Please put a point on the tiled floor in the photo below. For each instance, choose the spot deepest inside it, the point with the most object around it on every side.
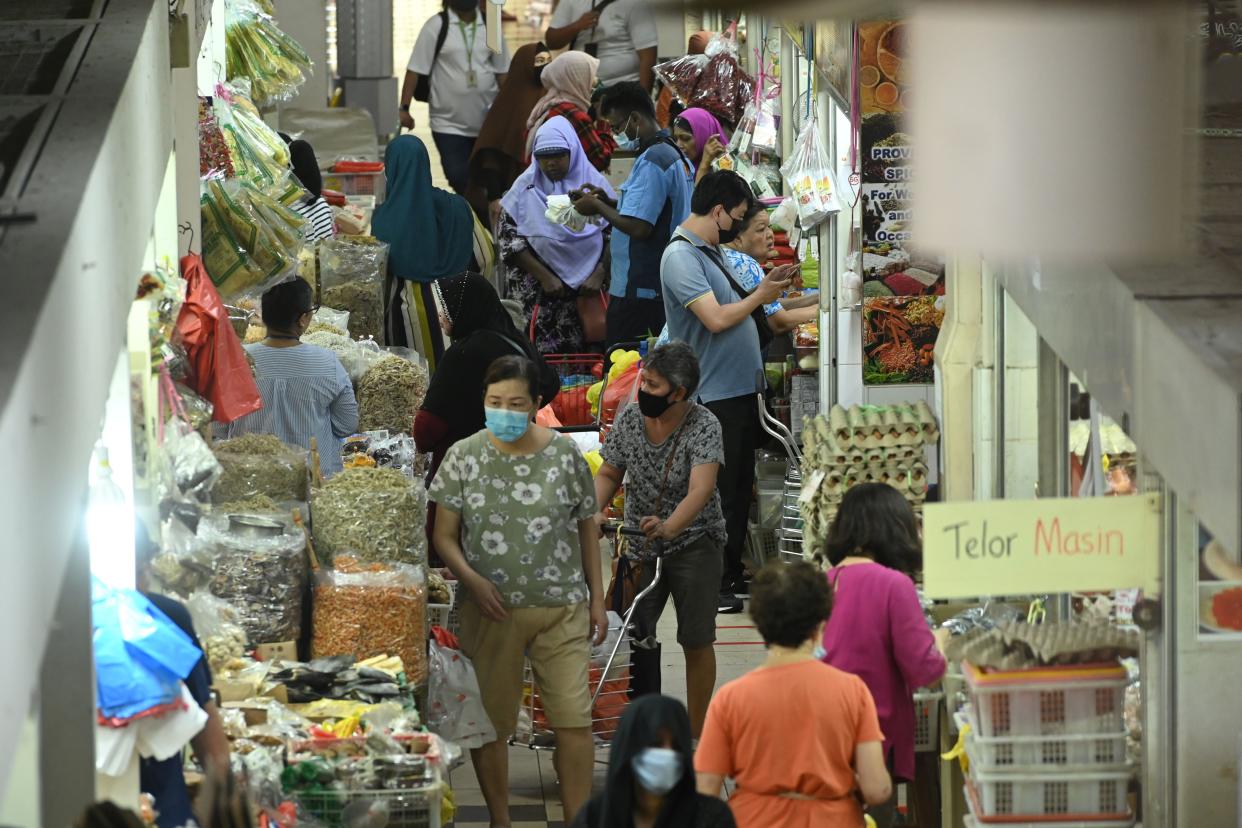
(533, 797)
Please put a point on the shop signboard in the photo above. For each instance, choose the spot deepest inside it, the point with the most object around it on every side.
(1048, 545)
(902, 285)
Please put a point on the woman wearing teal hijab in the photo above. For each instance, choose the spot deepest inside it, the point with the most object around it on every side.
(431, 234)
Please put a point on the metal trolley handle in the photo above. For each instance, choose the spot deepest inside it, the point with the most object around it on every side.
(778, 430)
(658, 548)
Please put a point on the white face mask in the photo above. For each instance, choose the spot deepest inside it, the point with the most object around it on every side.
(658, 770)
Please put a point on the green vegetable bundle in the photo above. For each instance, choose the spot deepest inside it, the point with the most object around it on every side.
(256, 48)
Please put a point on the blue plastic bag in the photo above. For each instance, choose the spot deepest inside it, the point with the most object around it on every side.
(140, 654)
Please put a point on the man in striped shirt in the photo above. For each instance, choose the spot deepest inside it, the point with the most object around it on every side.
(306, 392)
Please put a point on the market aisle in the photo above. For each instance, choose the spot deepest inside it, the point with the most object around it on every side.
(533, 798)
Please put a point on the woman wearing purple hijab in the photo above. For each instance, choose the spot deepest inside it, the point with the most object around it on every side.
(549, 264)
(701, 138)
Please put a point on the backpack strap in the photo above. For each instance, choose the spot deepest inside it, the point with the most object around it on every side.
(440, 38)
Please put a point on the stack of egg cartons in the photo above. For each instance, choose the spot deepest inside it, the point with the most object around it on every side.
(864, 444)
(1047, 746)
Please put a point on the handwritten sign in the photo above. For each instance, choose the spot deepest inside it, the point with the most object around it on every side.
(1024, 547)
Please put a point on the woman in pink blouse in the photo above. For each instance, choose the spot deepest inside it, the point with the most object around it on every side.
(877, 630)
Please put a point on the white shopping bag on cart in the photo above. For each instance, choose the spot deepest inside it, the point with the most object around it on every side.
(455, 704)
(600, 653)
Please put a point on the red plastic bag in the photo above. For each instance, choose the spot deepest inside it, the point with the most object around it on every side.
(619, 392)
(219, 370)
(547, 417)
(571, 407)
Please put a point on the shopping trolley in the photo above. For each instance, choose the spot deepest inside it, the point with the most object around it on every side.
(789, 535)
(577, 372)
(610, 684)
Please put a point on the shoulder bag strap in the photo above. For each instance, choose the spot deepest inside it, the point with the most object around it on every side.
(720, 265)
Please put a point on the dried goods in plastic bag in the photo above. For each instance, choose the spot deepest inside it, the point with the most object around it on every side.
(213, 151)
(215, 623)
(390, 393)
(808, 171)
(257, 153)
(195, 469)
(256, 48)
(250, 239)
(375, 515)
(366, 610)
(262, 578)
(351, 278)
(723, 87)
(681, 75)
(260, 464)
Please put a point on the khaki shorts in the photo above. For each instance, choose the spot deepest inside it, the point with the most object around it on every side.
(555, 639)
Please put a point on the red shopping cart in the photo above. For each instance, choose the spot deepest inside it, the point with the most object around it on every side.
(578, 372)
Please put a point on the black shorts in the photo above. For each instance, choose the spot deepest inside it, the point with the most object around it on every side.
(692, 577)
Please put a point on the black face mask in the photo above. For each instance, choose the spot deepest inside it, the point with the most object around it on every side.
(463, 5)
(732, 233)
(652, 405)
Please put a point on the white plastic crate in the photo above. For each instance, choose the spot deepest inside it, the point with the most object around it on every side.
(1084, 794)
(445, 615)
(927, 721)
(971, 821)
(1047, 753)
(1048, 701)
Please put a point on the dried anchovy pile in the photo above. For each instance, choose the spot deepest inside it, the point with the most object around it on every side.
(366, 610)
(376, 515)
(365, 303)
(263, 580)
(389, 394)
(258, 503)
(316, 327)
(260, 464)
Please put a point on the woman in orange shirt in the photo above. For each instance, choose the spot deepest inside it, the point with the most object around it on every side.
(801, 739)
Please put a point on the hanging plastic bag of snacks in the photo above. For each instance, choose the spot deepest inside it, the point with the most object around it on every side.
(256, 48)
(808, 172)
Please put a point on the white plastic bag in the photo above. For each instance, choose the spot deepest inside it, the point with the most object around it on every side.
(454, 701)
(599, 654)
(808, 171)
(561, 211)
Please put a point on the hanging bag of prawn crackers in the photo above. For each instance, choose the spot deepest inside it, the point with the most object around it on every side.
(809, 176)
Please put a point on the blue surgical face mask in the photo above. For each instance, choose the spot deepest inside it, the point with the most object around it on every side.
(657, 769)
(819, 653)
(624, 141)
(508, 426)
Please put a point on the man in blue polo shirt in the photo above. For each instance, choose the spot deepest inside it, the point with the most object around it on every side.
(654, 200)
(715, 316)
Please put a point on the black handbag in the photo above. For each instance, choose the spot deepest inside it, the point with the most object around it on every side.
(757, 315)
(422, 89)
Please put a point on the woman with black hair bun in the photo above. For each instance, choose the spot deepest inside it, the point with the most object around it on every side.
(877, 630)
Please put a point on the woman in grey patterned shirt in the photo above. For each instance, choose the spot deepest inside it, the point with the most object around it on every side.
(668, 449)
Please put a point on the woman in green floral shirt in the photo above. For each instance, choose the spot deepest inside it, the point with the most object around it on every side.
(515, 523)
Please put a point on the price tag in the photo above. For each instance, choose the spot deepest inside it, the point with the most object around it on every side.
(811, 486)
(795, 237)
(803, 247)
(814, 241)
(855, 180)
